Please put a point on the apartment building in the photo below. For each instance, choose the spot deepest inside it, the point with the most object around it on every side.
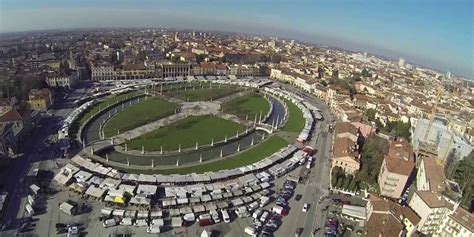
(65, 81)
(460, 223)
(345, 148)
(40, 99)
(396, 168)
(388, 218)
(432, 208)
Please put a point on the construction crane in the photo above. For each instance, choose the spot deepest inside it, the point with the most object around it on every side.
(439, 93)
(444, 159)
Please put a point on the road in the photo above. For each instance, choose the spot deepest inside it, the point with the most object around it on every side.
(317, 183)
(32, 149)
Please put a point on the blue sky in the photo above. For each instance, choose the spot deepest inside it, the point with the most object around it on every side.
(435, 33)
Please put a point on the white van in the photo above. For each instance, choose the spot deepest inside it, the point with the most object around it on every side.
(241, 212)
(253, 206)
(190, 217)
(264, 216)
(225, 215)
(250, 231)
(264, 200)
(154, 229)
(215, 216)
(109, 223)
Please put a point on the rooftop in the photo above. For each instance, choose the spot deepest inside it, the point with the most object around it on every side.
(400, 158)
(464, 218)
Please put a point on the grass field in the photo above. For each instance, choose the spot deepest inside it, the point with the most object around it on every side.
(295, 121)
(257, 153)
(139, 114)
(204, 94)
(247, 105)
(187, 132)
(110, 100)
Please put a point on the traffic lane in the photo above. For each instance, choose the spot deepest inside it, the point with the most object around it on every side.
(17, 188)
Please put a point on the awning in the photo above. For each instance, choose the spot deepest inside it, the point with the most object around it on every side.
(120, 200)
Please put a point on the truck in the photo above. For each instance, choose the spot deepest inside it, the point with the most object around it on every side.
(279, 210)
(205, 220)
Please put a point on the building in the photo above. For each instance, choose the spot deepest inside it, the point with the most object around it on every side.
(244, 70)
(449, 146)
(432, 208)
(103, 72)
(345, 148)
(388, 218)
(396, 169)
(205, 69)
(134, 71)
(40, 99)
(175, 70)
(68, 82)
(6, 104)
(7, 140)
(430, 176)
(459, 223)
(222, 69)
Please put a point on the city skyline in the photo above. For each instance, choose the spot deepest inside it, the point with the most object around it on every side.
(436, 35)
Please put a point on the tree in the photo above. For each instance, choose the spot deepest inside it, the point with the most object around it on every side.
(353, 184)
(372, 156)
(463, 175)
(347, 181)
(370, 113)
(340, 181)
(334, 175)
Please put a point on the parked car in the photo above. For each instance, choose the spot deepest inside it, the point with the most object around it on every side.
(257, 214)
(305, 207)
(298, 197)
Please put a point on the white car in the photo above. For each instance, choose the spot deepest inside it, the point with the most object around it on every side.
(305, 207)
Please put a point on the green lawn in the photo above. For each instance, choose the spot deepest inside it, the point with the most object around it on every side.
(187, 132)
(139, 114)
(247, 105)
(295, 121)
(109, 100)
(255, 154)
(204, 94)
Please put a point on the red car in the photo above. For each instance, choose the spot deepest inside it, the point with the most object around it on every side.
(345, 203)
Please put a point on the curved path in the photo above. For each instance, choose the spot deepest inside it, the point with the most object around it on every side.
(92, 130)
